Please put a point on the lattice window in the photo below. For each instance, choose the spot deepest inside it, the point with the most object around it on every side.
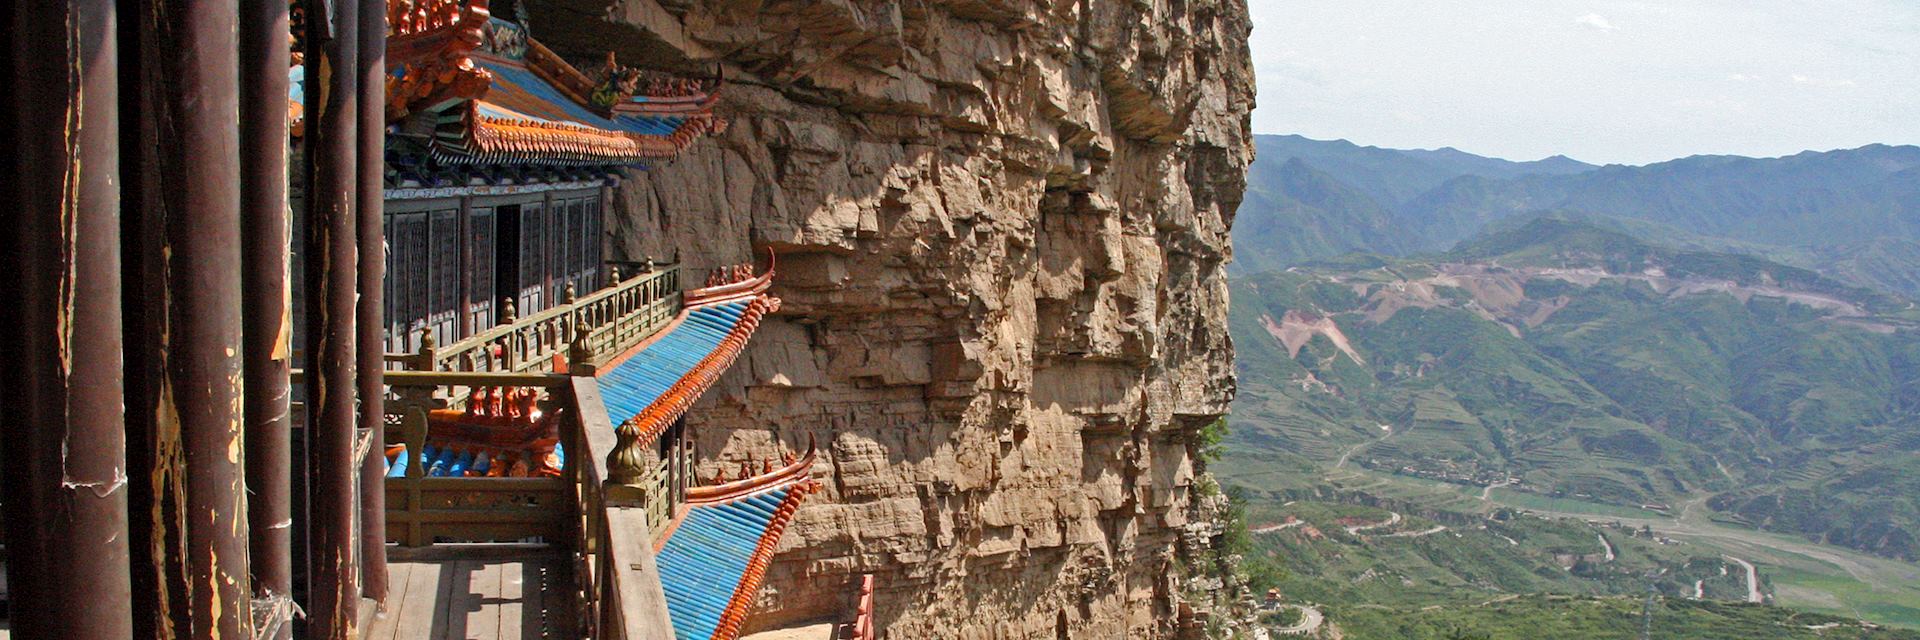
(480, 270)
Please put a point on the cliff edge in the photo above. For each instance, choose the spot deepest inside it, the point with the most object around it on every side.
(1000, 227)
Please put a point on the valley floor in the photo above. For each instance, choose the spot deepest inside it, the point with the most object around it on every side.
(1794, 572)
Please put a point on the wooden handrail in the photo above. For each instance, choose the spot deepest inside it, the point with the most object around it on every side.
(625, 311)
(617, 577)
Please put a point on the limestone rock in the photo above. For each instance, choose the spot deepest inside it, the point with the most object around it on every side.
(1000, 227)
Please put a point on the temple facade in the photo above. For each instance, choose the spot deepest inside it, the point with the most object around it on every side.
(358, 365)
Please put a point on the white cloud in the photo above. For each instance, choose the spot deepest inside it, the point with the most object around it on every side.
(1596, 21)
(1504, 77)
(1801, 78)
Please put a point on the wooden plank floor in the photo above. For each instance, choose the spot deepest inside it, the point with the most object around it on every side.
(507, 598)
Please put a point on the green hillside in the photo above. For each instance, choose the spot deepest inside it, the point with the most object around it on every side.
(1578, 362)
(1612, 618)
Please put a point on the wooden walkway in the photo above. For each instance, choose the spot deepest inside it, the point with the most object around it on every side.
(513, 596)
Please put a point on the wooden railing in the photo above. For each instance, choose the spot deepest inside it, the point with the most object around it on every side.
(618, 585)
(617, 588)
(423, 510)
(604, 322)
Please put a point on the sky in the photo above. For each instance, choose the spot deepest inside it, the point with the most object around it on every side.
(1603, 81)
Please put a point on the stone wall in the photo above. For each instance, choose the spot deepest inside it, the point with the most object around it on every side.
(1000, 227)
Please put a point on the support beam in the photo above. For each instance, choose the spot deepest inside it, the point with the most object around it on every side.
(65, 450)
(332, 94)
(200, 172)
(268, 346)
(371, 204)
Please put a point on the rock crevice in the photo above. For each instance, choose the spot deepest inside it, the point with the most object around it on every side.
(1001, 226)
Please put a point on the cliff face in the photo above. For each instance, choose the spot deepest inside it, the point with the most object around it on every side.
(1000, 227)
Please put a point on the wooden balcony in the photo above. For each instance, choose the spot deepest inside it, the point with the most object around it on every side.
(539, 556)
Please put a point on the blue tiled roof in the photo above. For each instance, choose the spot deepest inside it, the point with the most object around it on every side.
(453, 462)
(636, 383)
(706, 558)
(519, 93)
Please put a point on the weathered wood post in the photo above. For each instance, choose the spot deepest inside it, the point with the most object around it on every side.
(65, 455)
(371, 216)
(156, 479)
(268, 335)
(332, 39)
(196, 171)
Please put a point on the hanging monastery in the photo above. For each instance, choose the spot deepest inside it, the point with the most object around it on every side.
(358, 366)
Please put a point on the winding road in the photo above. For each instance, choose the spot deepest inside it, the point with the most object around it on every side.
(1277, 527)
(1753, 578)
(1417, 534)
(1393, 518)
(1353, 450)
(1310, 619)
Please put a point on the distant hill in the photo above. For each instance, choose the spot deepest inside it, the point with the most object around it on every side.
(1310, 199)
(1581, 361)
(1812, 198)
(1844, 212)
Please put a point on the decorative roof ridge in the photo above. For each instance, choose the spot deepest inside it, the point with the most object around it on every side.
(509, 135)
(677, 399)
(420, 27)
(796, 471)
(549, 66)
(623, 90)
(732, 617)
(733, 282)
(861, 628)
(430, 43)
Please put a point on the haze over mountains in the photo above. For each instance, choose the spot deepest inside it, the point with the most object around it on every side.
(1852, 213)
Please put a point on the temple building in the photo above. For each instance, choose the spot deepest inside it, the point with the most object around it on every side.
(437, 409)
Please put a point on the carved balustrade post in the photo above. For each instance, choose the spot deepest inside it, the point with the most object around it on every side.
(508, 315)
(629, 466)
(425, 359)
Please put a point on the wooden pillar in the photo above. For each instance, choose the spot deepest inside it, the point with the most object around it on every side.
(465, 326)
(370, 216)
(268, 335)
(155, 462)
(200, 171)
(331, 255)
(65, 449)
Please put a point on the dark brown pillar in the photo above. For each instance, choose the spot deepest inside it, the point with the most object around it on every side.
(156, 464)
(65, 450)
(370, 214)
(267, 351)
(331, 255)
(200, 173)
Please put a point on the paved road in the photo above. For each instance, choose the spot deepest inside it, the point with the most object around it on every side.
(1310, 619)
(1690, 525)
(1393, 518)
(1277, 527)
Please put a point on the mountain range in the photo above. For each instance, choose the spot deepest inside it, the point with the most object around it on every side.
(1854, 213)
